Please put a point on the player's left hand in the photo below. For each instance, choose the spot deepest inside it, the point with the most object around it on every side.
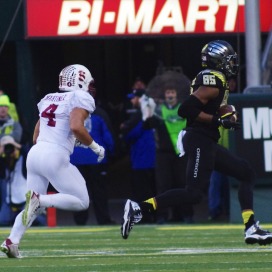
(228, 122)
(98, 150)
(100, 153)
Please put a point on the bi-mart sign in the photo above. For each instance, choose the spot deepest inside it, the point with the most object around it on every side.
(254, 140)
(69, 18)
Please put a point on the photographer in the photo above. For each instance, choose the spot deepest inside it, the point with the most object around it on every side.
(13, 181)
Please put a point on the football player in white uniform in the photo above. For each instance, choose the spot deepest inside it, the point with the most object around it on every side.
(60, 126)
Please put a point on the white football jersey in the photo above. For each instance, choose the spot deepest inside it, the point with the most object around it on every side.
(54, 112)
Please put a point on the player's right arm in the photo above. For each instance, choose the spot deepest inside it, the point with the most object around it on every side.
(192, 106)
(207, 83)
(204, 94)
(77, 118)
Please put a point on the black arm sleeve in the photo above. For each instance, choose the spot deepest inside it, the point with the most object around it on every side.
(190, 108)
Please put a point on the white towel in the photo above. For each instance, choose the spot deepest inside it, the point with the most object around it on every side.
(180, 144)
(147, 106)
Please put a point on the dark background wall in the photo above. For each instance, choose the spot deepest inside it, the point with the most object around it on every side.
(114, 62)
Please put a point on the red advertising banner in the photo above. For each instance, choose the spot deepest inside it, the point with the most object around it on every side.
(69, 18)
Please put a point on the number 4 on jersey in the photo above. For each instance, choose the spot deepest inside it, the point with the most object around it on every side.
(50, 115)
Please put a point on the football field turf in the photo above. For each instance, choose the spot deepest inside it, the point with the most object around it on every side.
(149, 248)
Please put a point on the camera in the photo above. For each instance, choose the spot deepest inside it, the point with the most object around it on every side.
(8, 149)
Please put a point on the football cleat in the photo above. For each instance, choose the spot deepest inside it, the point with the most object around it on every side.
(31, 207)
(10, 249)
(132, 215)
(255, 234)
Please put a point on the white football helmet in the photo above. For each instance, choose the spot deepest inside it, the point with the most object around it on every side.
(75, 77)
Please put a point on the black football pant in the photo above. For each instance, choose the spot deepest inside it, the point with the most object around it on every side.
(204, 155)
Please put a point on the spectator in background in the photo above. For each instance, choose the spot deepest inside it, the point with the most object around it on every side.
(232, 85)
(8, 126)
(138, 84)
(142, 149)
(12, 110)
(26, 137)
(13, 183)
(170, 168)
(95, 173)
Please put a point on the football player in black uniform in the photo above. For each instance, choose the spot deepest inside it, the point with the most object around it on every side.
(209, 90)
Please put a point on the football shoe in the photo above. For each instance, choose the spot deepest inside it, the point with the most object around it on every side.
(10, 249)
(132, 215)
(256, 235)
(31, 207)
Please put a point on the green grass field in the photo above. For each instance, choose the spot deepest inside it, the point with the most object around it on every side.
(149, 248)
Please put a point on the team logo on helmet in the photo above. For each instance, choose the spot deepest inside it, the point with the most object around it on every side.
(219, 55)
(75, 77)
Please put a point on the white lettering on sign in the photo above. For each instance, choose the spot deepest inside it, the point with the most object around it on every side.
(133, 22)
(231, 16)
(268, 155)
(257, 125)
(95, 17)
(75, 12)
(80, 16)
(109, 17)
(169, 16)
(207, 15)
(75, 17)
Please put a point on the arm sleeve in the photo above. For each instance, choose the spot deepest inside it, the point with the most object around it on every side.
(190, 108)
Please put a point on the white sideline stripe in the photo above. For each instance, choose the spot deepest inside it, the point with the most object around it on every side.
(208, 227)
(215, 250)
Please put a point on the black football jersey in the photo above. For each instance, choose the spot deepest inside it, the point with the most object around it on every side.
(213, 79)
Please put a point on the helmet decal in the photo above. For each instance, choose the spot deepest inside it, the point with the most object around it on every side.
(219, 55)
(75, 77)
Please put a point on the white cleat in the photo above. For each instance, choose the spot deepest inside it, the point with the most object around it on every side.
(256, 235)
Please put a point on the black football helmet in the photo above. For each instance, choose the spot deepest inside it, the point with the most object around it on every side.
(219, 55)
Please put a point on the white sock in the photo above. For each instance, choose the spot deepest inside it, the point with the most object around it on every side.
(18, 229)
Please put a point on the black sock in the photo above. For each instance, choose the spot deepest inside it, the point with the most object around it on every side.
(250, 222)
(146, 207)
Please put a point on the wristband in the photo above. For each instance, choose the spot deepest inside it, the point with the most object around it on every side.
(94, 145)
